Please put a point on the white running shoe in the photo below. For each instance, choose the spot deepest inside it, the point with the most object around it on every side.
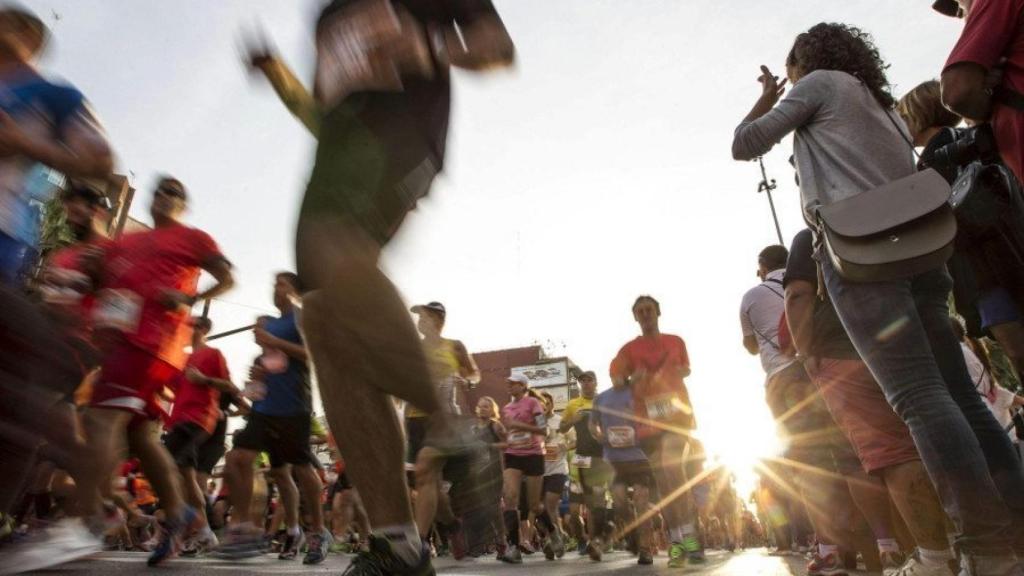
(914, 567)
(67, 540)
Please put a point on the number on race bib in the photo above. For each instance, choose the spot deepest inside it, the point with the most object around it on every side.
(663, 407)
(621, 436)
(581, 461)
(520, 439)
(552, 453)
(118, 309)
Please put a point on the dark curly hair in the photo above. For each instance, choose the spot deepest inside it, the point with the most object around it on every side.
(829, 46)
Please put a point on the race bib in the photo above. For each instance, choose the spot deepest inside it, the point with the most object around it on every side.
(552, 453)
(118, 309)
(274, 361)
(345, 51)
(581, 461)
(621, 436)
(255, 391)
(520, 439)
(664, 406)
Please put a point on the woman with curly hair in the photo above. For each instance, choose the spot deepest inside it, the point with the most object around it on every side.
(848, 140)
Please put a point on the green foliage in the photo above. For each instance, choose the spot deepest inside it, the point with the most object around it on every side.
(54, 232)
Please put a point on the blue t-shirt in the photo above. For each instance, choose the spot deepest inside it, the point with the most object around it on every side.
(620, 441)
(288, 392)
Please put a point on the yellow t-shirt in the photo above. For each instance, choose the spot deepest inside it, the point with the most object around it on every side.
(443, 363)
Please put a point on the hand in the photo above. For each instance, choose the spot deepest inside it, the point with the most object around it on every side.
(264, 338)
(173, 299)
(257, 53)
(257, 373)
(994, 76)
(771, 88)
(12, 139)
(195, 376)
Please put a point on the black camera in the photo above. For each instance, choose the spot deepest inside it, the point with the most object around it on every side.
(954, 148)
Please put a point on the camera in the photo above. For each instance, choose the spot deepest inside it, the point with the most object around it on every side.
(954, 148)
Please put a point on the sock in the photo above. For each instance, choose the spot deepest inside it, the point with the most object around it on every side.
(935, 558)
(888, 545)
(512, 526)
(405, 542)
(689, 530)
(824, 550)
(294, 530)
(675, 535)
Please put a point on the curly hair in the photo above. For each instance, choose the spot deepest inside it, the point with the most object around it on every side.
(830, 46)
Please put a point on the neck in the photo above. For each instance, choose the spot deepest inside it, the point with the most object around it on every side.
(286, 307)
(163, 221)
(650, 332)
(10, 63)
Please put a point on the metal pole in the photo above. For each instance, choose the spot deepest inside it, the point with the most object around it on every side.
(767, 186)
(230, 332)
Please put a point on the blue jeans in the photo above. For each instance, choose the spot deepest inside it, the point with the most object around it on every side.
(902, 331)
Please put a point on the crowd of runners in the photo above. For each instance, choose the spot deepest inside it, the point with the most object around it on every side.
(898, 421)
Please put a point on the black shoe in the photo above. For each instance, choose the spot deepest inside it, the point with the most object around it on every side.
(292, 545)
(379, 560)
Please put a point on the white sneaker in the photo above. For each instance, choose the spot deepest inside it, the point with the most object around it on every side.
(65, 541)
(914, 567)
(971, 565)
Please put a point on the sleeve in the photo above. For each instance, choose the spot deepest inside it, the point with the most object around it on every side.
(755, 138)
(682, 355)
(570, 411)
(1004, 398)
(988, 33)
(622, 365)
(801, 264)
(204, 248)
(745, 325)
(222, 367)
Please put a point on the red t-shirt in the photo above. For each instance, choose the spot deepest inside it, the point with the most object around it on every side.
(76, 306)
(660, 395)
(993, 32)
(196, 402)
(140, 267)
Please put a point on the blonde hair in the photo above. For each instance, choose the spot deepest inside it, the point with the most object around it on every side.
(922, 108)
(495, 411)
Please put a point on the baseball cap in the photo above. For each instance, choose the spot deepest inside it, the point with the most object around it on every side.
(947, 8)
(520, 378)
(435, 307)
(589, 374)
(30, 18)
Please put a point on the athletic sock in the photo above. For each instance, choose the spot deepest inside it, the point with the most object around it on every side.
(825, 549)
(545, 521)
(935, 558)
(888, 545)
(512, 526)
(294, 530)
(405, 542)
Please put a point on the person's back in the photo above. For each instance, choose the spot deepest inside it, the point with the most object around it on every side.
(845, 142)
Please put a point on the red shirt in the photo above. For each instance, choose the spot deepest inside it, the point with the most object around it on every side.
(197, 402)
(76, 306)
(993, 32)
(143, 265)
(659, 392)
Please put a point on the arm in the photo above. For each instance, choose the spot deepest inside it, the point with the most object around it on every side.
(291, 349)
(527, 427)
(568, 420)
(767, 124)
(964, 91)
(81, 151)
(220, 269)
(484, 44)
(750, 343)
(800, 295)
(467, 366)
(290, 90)
(594, 426)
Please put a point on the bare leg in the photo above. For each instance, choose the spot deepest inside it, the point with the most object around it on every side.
(915, 498)
(238, 474)
(512, 481)
(870, 495)
(289, 495)
(194, 494)
(105, 445)
(311, 487)
(158, 466)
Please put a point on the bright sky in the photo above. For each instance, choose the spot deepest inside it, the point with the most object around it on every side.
(597, 170)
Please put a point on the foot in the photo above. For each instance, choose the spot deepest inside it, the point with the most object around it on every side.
(380, 559)
(971, 565)
(316, 552)
(527, 548)
(831, 565)
(677, 555)
(892, 560)
(241, 542)
(913, 567)
(595, 549)
(549, 549)
(64, 541)
(694, 551)
(170, 539)
(559, 544)
(512, 555)
(291, 545)
(201, 543)
(644, 557)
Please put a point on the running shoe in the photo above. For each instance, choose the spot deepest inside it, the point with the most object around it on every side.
(644, 557)
(891, 560)
(512, 555)
(527, 548)
(380, 560)
(559, 545)
(694, 551)
(171, 534)
(201, 543)
(241, 542)
(595, 550)
(64, 541)
(581, 547)
(549, 549)
(914, 567)
(291, 546)
(317, 548)
(831, 565)
(677, 555)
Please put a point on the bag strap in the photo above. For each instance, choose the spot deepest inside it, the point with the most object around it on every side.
(913, 149)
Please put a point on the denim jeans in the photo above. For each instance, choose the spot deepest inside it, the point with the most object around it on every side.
(902, 331)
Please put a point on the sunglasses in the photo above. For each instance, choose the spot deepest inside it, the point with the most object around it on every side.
(171, 191)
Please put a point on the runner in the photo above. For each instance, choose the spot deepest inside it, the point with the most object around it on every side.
(280, 424)
(594, 472)
(455, 373)
(194, 419)
(378, 154)
(614, 424)
(524, 459)
(654, 365)
(556, 477)
(489, 431)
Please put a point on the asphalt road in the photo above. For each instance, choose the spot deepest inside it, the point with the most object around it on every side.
(748, 563)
